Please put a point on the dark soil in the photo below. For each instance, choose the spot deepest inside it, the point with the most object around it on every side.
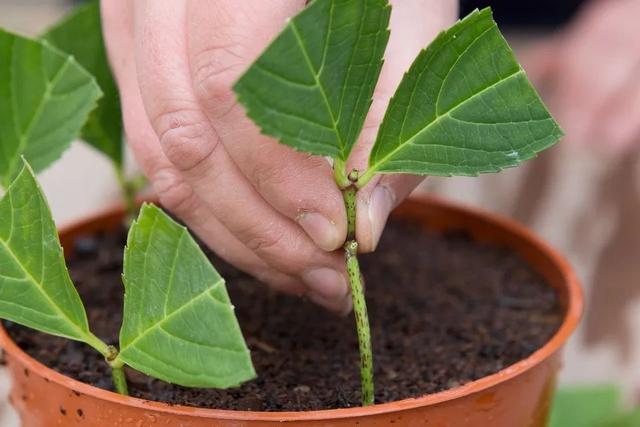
(444, 310)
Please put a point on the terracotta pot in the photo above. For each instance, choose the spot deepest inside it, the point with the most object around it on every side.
(518, 396)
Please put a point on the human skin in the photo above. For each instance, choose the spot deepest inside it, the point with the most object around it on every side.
(590, 71)
(269, 210)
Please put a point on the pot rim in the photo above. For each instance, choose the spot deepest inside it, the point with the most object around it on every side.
(569, 323)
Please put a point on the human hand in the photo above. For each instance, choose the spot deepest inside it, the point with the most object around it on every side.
(265, 208)
(590, 70)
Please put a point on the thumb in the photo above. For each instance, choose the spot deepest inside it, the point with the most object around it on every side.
(374, 204)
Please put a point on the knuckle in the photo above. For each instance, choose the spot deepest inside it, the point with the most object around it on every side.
(186, 141)
(268, 175)
(264, 242)
(216, 69)
(260, 238)
(174, 193)
(278, 169)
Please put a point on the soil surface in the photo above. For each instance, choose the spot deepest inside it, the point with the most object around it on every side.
(444, 310)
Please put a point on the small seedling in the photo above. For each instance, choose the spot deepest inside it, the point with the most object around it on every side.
(464, 107)
(178, 323)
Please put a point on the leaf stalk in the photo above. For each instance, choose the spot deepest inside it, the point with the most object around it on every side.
(97, 344)
(365, 178)
(129, 192)
(338, 174)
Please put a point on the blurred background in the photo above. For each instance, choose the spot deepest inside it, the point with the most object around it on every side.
(583, 195)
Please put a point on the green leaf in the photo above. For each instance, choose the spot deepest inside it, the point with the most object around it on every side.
(35, 288)
(45, 98)
(464, 107)
(80, 34)
(312, 87)
(584, 406)
(179, 324)
(631, 419)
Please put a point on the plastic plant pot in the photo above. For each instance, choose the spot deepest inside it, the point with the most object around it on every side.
(517, 396)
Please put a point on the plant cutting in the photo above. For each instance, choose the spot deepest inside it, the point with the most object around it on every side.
(464, 107)
(178, 313)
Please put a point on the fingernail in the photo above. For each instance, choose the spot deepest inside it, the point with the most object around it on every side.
(326, 282)
(380, 206)
(323, 231)
(341, 307)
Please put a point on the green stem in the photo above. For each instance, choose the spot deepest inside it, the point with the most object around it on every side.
(349, 195)
(119, 380)
(117, 371)
(357, 296)
(128, 192)
(110, 354)
(362, 322)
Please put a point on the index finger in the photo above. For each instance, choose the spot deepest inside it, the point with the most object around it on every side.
(224, 39)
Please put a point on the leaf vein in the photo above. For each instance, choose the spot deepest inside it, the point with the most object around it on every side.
(460, 55)
(437, 119)
(24, 133)
(294, 28)
(199, 344)
(160, 322)
(174, 263)
(272, 110)
(282, 78)
(30, 278)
